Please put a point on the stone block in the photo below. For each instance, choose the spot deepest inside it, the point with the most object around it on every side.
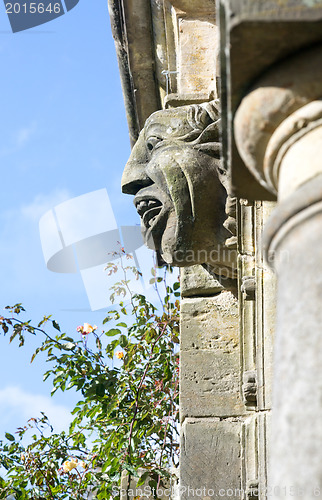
(210, 323)
(197, 69)
(210, 358)
(196, 280)
(210, 463)
(210, 384)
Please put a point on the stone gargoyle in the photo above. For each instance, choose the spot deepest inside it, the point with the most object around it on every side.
(180, 189)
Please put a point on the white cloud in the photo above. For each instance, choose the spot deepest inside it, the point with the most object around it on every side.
(24, 134)
(18, 138)
(43, 202)
(18, 406)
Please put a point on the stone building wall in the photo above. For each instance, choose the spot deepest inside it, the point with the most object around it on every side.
(169, 56)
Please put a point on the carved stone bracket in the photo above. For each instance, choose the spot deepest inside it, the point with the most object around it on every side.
(250, 388)
(248, 287)
(180, 191)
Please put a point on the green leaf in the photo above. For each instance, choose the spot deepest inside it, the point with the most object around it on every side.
(113, 332)
(100, 390)
(106, 466)
(34, 355)
(56, 325)
(142, 479)
(68, 346)
(10, 437)
(123, 341)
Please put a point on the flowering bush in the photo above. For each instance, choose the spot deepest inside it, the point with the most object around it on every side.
(126, 418)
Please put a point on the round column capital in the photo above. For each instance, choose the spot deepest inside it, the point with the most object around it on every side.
(288, 86)
(291, 130)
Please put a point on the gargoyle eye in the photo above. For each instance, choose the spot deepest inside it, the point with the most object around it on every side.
(152, 143)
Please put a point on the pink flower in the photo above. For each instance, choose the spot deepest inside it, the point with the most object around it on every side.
(86, 329)
(89, 328)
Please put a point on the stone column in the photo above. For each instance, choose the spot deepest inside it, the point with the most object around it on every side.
(278, 132)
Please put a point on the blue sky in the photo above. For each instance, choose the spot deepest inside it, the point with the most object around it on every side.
(63, 133)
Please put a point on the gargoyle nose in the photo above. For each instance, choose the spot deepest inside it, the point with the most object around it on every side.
(134, 178)
(134, 175)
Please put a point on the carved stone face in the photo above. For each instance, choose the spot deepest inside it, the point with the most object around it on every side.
(174, 173)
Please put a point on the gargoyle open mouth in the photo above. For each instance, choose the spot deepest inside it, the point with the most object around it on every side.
(148, 209)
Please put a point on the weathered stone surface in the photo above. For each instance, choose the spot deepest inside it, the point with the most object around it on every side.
(210, 357)
(210, 323)
(210, 459)
(249, 440)
(210, 384)
(196, 70)
(197, 281)
(247, 301)
(131, 28)
(255, 435)
(278, 132)
(174, 100)
(277, 10)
